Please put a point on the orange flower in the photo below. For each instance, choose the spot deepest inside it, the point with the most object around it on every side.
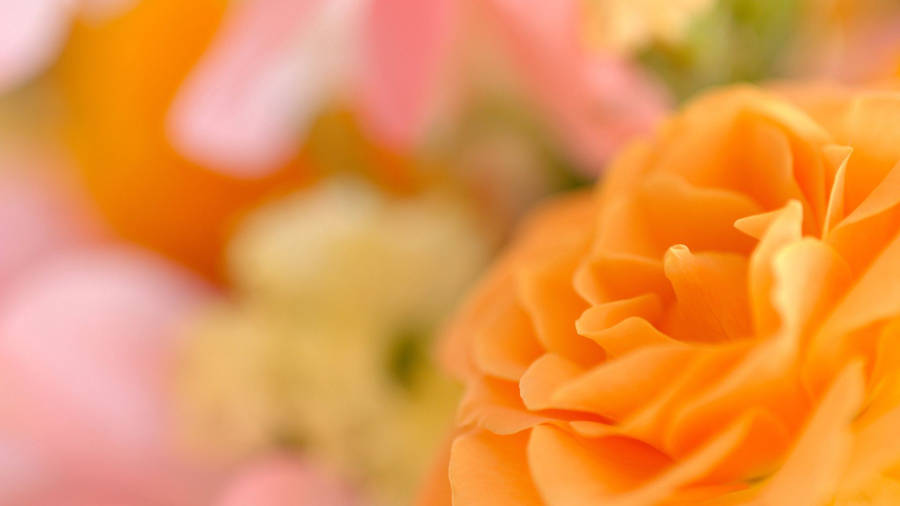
(719, 324)
(117, 79)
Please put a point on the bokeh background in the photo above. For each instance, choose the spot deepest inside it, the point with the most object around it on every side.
(230, 231)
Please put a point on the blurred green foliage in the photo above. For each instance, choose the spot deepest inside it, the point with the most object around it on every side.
(408, 352)
(734, 41)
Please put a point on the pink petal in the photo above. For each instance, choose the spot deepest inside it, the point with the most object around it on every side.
(597, 102)
(31, 33)
(286, 481)
(551, 25)
(244, 108)
(21, 470)
(405, 45)
(86, 344)
(617, 103)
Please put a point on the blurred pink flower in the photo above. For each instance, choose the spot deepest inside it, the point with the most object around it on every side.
(248, 102)
(40, 215)
(596, 101)
(33, 31)
(89, 332)
(285, 481)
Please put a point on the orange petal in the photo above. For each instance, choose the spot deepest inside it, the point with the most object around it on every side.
(837, 156)
(687, 470)
(545, 290)
(543, 378)
(568, 220)
(604, 315)
(608, 276)
(711, 295)
(868, 229)
(456, 341)
(491, 470)
(766, 439)
(756, 225)
(785, 228)
(882, 197)
(875, 450)
(778, 157)
(622, 231)
(874, 296)
(677, 212)
(709, 367)
(740, 139)
(765, 378)
(569, 471)
(871, 122)
(628, 335)
(619, 387)
(810, 276)
(505, 345)
(885, 366)
(496, 406)
(810, 473)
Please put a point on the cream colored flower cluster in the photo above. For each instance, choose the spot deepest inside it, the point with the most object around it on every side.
(327, 345)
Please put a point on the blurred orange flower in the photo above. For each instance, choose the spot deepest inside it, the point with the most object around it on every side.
(719, 322)
(117, 79)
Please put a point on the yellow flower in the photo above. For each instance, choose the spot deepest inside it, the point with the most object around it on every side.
(327, 346)
(622, 26)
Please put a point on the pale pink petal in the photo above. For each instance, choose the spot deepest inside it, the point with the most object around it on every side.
(31, 33)
(596, 102)
(86, 346)
(552, 25)
(404, 46)
(617, 102)
(245, 107)
(286, 481)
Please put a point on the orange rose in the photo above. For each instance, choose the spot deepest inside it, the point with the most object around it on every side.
(719, 324)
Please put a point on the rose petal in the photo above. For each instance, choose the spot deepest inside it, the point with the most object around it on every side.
(489, 470)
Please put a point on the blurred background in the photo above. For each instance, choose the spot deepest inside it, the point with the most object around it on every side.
(230, 231)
